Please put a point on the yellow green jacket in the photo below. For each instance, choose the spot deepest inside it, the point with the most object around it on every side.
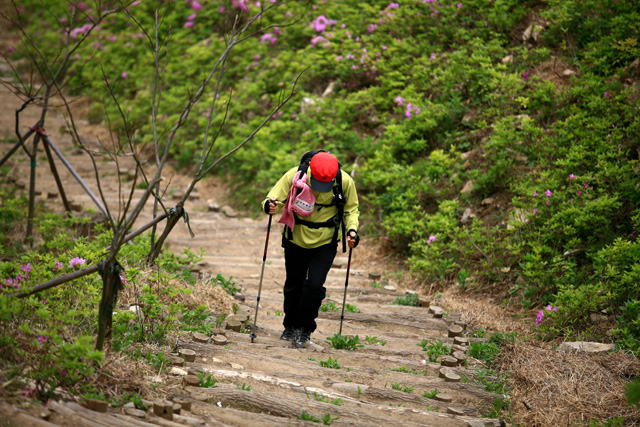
(304, 236)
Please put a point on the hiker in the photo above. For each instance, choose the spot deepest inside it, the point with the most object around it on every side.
(321, 203)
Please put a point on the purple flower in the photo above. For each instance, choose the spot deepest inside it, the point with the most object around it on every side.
(432, 239)
(43, 339)
(548, 202)
(316, 40)
(57, 266)
(26, 268)
(534, 212)
(539, 317)
(548, 193)
(271, 38)
(525, 75)
(195, 5)
(339, 58)
(188, 24)
(606, 95)
(63, 373)
(76, 261)
(459, 5)
(44, 302)
(124, 75)
(572, 176)
(535, 194)
(579, 192)
(407, 114)
(586, 185)
(399, 100)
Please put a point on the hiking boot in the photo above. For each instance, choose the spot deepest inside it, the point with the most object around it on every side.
(289, 334)
(302, 336)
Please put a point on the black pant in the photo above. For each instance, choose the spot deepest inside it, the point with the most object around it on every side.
(304, 287)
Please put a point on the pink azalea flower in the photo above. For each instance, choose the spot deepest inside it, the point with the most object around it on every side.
(539, 317)
(188, 24)
(459, 5)
(399, 100)
(26, 268)
(195, 5)
(43, 339)
(572, 176)
(76, 261)
(124, 74)
(548, 193)
(525, 75)
(534, 212)
(432, 239)
(535, 194)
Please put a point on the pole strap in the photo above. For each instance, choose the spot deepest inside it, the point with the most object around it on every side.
(183, 213)
(39, 130)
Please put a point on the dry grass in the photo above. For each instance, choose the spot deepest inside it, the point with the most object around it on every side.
(552, 388)
(481, 312)
(214, 297)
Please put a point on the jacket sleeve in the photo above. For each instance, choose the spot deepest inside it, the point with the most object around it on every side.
(280, 191)
(351, 208)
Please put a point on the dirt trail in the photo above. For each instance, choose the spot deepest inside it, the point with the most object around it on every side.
(368, 387)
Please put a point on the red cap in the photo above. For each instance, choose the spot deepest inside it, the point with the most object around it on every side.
(324, 168)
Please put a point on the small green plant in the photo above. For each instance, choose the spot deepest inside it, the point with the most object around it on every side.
(434, 349)
(376, 285)
(374, 340)
(327, 420)
(408, 299)
(409, 371)
(244, 387)
(486, 351)
(318, 397)
(404, 388)
(329, 363)
(340, 342)
(227, 284)
(351, 309)
(329, 307)
(206, 381)
(305, 416)
(220, 319)
(431, 394)
(117, 402)
(497, 407)
(337, 402)
(279, 313)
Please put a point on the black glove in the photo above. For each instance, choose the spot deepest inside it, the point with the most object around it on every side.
(357, 238)
(267, 206)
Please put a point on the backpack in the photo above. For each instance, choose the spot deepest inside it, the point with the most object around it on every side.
(337, 221)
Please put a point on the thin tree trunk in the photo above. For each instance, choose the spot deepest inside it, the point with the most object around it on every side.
(32, 191)
(171, 222)
(107, 303)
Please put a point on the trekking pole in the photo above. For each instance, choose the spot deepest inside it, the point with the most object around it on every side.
(264, 260)
(346, 284)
